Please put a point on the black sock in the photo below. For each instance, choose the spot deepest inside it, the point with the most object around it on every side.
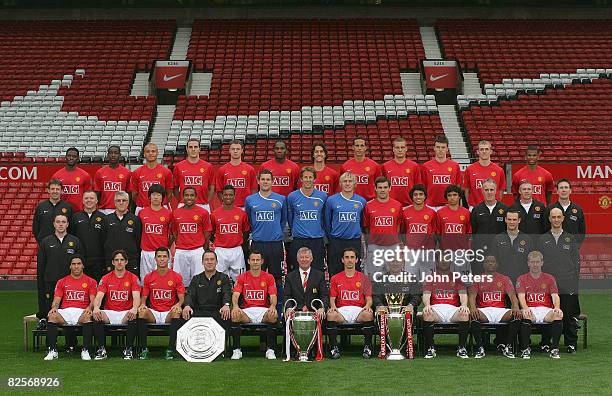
(556, 328)
(332, 334)
(464, 328)
(513, 329)
(99, 334)
(525, 333)
(476, 329)
(87, 335)
(368, 332)
(428, 334)
(52, 335)
(236, 331)
(175, 324)
(142, 333)
(132, 330)
(69, 336)
(271, 335)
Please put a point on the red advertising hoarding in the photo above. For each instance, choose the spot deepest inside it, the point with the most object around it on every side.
(171, 74)
(440, 74)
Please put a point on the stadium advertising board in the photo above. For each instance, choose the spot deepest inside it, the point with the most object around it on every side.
(171, 74)
(440, 74)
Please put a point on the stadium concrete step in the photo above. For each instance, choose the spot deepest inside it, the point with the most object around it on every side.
(430, 42)
(411, 83)
(181, 44)
(456, 144)
(161, 126)
(471, 84)
(200, 84)
(140, 87)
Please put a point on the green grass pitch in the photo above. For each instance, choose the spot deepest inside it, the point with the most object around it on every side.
(587, 372)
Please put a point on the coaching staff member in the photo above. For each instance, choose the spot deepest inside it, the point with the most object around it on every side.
(209, 294)
(306, 283)
(122, 230)
(87, 226)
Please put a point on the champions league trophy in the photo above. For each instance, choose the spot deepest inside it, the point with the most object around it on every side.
(303, 328)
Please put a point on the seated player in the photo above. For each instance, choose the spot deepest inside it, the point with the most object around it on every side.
(259, 297)
(122, 293)
(350, 301)
(445, 301)
(165, 291)
(540, 303)
(76, 293)
(487, 300)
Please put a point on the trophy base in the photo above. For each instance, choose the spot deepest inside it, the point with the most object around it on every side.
(303, 359)
(395, 355)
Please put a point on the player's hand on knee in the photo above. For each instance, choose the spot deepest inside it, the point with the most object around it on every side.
(97, 314)
(428, 310)
(53, 311)
(236, 314)
(558, 314)
(271, 312)
(225, 312)
(527, 314)
(187, 312)
(474, 313)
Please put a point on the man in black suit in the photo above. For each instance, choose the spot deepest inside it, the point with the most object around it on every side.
(305, 284)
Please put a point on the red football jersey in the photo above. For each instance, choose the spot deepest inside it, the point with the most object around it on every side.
(402, 176)
(118, 291)
(162, 290)
(285, 176)
(445, 292)
(229, 226)
(366, 173)
(350, 291)
(189, 226)
(242, 177)
(419, 226)
(255, 290)
(437, 176)
(383, 220)
(143, 178)
(475, 174)
(75, 292)
(199, 176)
(326, 181)
(541, 179)
(454, 227)
(155, 228)
(107, 181)
(537, 291)
(74, 184)
(492, 294)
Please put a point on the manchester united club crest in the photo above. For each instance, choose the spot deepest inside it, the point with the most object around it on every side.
(567, 239)
(288, 170)
(407, 171)
(219, 282)
(462, 217)
(98, 218)
(78, 179)
(64, 210)
(126, 284)
(604, 202)
(499, 284)
(537, 208)
(367, 168)
(71, 244)
(449, 169)
(244, 172)
(355, 206)
(426, 217)
(500, 211)
(236, 217)
(130, 222)
(159, 175)
(84, 285)
(263, 284)
(314, 291)
(540, 178)
(273, 204)
(493, 173)
(170, 283)
(392, 210)
(327, 178)
(162, 218)
(196, 217)
(543, 285)
(202, 170)
(522, 243)
(574, 211)
(121, 176)
(358, 284)
(315, 203)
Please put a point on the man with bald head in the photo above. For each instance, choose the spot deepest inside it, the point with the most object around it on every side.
(148, 174)
(561, 251)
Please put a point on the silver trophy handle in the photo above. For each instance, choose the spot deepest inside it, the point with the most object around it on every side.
(321, 305)
(291, 300)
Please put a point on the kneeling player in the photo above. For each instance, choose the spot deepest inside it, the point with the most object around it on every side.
(539, 299)
(121, 306)
(488, 305)
(350, 301)
(445, 301)
(165, 291)
(259, 297)
(76, 293)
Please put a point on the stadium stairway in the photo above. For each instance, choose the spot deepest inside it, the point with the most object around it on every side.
(161, 126)
(140, 87)
(430, 42)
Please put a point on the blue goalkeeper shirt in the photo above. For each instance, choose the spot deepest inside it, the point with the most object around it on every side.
(306, 214)
(342, 216)
(267, 216)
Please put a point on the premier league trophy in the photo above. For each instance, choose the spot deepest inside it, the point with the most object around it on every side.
(393, 325)
(302, 328)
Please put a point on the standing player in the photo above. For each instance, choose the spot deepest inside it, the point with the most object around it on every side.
(342, 221)
(305, 207)
(487, 300)
(540, 178)
(573, 215)
(76, 293)
(487, 220)
(327, 177)
(539, 299)
(120, 287)
(111, 178)
(350, 301)
(42, 227)
(164, 290)
(511, 247)
(259, 298)
(453, 221)
(123, 231)
(156, 225)
(531, 211)
(439, 173)
(284, 171)
(191, 229)
(561, 253)
(230, 226)
(87, 226)
(478, 172)
(267, 213)
(197, 173)
(149, 174)
(74, 180)
(445, 301)
(402, 172)
(365, 170)
(382, 218)
(237, 174)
